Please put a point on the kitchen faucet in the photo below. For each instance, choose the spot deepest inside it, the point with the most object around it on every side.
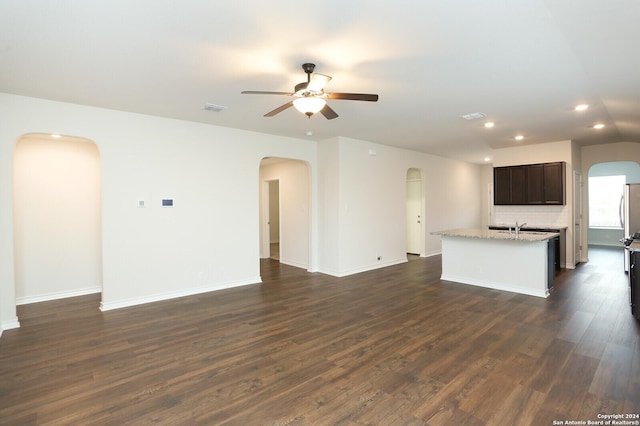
(518, 227)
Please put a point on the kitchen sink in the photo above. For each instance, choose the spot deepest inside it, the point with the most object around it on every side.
(523, 232)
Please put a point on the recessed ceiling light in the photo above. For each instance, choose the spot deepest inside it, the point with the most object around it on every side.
(598, 126)
(519, 137)
(489, 124)
(309, 133)
(55, 136)
(581, 107)
(487, 159)
(473, 116)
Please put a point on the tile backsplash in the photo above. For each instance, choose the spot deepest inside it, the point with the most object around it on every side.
(552, 216)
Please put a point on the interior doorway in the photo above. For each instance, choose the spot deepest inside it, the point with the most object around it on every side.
(602, 220)
(57, 218)
(415, 213)
(273, 220)
(285, 211)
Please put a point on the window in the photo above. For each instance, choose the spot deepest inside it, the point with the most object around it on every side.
(605, 193)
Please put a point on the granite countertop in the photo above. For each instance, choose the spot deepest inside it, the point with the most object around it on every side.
(498, 234)
(527, 226)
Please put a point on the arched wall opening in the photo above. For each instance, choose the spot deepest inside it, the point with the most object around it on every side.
(57, 218)
(609, 236)
(293, 222)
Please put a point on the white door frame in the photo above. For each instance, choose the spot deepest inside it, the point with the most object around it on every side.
(577, 217)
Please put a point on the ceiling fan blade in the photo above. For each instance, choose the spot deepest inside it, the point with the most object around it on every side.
(353, 96)
(328, 112)
(260, 92)
(279, 109)
(317, 82)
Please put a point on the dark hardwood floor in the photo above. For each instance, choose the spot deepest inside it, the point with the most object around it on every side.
(395, 346)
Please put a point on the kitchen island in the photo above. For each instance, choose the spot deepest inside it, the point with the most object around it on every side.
(518, 262)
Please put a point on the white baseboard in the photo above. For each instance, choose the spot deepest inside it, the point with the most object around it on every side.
(8, 325)
(434, 253)
(125, 303)
(57, 295)
(292, 263)
(365, 268)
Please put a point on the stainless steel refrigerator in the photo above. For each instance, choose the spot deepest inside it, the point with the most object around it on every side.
(630, 215)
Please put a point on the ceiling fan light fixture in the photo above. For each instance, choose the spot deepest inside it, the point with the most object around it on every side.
(309, 105)
(310, 97)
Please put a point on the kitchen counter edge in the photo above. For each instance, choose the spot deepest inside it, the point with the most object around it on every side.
(526, 236)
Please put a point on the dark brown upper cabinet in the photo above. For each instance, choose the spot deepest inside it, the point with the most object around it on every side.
(554, 183)
(535, 184)
(501, 185)
(518, 180)
(530, 184)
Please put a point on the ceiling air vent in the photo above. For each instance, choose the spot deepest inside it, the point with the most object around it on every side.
(214, 107)
(473, 116)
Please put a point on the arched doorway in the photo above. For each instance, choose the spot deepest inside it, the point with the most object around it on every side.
(615, 173)
(285, 211)
(57, 218)
(415, 212)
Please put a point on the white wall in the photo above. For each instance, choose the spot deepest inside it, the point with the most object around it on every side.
(629, 169)
(329, 205)
(154, 253)
(370, 207)
(356, 208)
(293, 177)
(605, 237)
(57, 230)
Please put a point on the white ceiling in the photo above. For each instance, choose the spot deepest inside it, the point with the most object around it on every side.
(523, 63)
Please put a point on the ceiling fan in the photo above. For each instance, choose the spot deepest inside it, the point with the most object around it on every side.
(311, 97)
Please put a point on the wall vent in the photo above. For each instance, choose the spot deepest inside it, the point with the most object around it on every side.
(214, 107)
(473, 116)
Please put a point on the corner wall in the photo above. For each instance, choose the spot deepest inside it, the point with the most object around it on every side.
(364, 202)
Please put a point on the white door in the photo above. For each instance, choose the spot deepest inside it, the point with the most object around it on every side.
(414, 216)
